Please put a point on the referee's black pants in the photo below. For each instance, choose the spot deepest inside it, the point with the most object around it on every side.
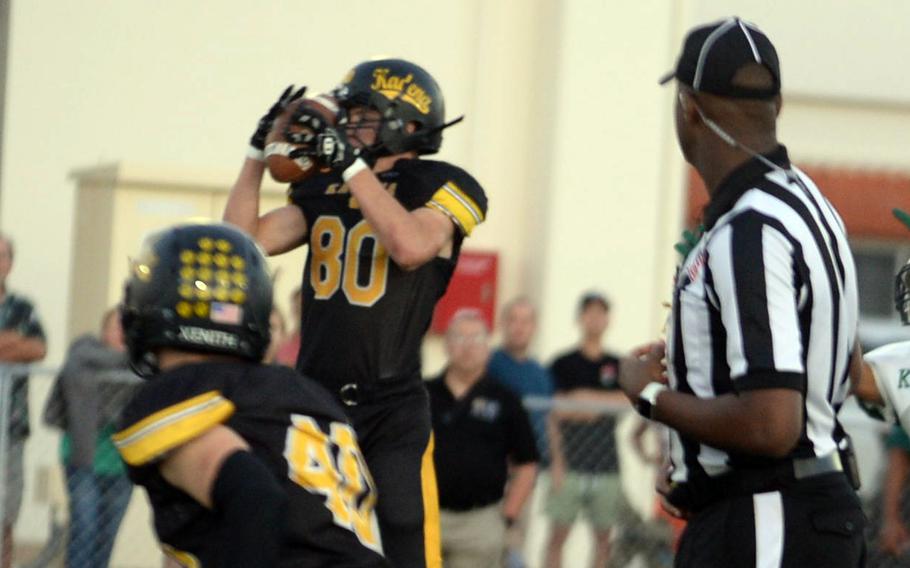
(816, 522)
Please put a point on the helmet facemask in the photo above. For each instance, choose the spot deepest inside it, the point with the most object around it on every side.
(392, 134)
(902, 293)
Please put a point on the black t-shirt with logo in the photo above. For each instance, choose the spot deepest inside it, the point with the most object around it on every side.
(476, 437)
(588, 446)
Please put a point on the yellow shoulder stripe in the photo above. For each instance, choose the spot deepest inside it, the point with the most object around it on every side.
(464, 211)
(183, 559)
(171, 427)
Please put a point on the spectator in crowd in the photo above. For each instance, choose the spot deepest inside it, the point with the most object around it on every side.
(85, 402)
(290, 345)
(513, 367)
(652, 538)
(278, 328)
(21, 341)
(584, 465)
(482, 432)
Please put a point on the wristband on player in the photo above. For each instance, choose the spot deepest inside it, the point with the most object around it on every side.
(254, 153)
(355, 168)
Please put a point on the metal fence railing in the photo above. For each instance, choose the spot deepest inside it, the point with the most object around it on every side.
(592, 478)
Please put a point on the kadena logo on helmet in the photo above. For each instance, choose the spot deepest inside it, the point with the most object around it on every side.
(394, 86)
(208, 337)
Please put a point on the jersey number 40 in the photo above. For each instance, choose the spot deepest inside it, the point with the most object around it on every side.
(331, 465)
(362, 277)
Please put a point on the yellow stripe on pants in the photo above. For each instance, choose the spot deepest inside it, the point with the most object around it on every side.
(432, 546)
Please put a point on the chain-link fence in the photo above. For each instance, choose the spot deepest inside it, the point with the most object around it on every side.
(595, 492)
(594, 503)
(63, 489)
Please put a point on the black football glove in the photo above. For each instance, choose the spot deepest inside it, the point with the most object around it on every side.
(335, 150)
(313, 124)
(257, 141)
(331, 146)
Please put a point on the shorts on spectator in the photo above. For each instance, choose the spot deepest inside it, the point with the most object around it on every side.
(599, 495)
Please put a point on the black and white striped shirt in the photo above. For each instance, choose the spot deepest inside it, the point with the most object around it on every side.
(767, 299)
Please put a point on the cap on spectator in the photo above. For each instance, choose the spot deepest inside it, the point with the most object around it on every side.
(590, 298)
(712, 54)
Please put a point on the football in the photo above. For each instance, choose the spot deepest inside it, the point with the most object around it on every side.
(288, 170)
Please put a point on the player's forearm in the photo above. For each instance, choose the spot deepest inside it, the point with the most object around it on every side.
(762, 422)
(862, 380)
(242, 207)
(895, 482)
(406, 239)
(520, 488)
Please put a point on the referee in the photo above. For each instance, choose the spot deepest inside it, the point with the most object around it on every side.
(763, 323)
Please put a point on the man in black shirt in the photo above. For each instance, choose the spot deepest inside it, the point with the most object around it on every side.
(482, 432)
(585, 467)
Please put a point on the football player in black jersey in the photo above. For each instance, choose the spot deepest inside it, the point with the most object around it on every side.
(384, 229)
(245, 465)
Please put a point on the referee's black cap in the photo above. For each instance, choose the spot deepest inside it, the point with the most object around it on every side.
(712, 54)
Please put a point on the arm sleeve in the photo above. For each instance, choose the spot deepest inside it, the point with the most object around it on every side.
(165, 414)
(253, 507)
(752, 272)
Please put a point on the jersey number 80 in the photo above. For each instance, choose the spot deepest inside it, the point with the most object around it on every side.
(329, 270)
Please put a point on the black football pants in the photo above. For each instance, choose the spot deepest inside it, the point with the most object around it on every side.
(394, 432)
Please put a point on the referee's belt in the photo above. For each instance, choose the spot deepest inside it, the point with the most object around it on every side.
(697, 494)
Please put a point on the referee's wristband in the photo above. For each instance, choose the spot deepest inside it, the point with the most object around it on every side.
(647, 399)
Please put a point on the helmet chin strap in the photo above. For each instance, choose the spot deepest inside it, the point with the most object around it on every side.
(146, 366)
(440, 128)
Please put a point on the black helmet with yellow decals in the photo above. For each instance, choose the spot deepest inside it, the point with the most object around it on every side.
(403, 93)
(202, 288)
